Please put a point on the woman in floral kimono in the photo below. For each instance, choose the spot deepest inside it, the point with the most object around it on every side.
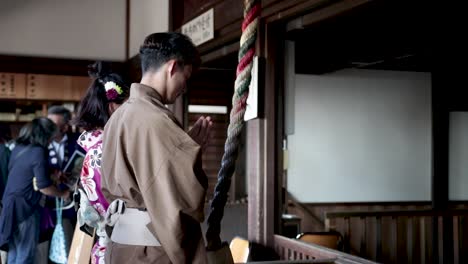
(107, 92)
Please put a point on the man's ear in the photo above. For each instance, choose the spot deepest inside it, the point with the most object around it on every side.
(171, 67)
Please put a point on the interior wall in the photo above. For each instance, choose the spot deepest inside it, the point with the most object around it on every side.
(458, 154)
(361, 135)
(84, 29)
(146, 17)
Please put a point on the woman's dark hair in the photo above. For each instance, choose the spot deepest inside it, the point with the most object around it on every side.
(5, 133)
(38, 132)
(159, 48)
(93, 111)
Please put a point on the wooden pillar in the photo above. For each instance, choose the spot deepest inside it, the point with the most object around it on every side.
(256, 180)
(441, 98)
(262, 147)
(127, 29)
(448, 95)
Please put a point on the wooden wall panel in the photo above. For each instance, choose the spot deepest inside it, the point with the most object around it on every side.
(224, 11)
(79, 86)
(56, 87)
(12, 85)
(50, 87)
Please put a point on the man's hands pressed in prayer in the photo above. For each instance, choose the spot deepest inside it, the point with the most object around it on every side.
(201, 131)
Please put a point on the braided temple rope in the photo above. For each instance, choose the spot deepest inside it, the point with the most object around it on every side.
(239, 102)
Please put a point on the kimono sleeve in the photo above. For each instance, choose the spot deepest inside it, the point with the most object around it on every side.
(179, 185)
(175, 201)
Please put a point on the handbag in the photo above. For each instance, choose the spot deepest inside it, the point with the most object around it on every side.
(88, 216)
(58, 246)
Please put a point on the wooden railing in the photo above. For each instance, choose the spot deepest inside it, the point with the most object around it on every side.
(409, 234)
(294, 250)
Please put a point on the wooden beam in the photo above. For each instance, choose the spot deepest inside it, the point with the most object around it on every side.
(171, 14)
(398, 213)
(40, 65)
(284, 10)
(220, 53)
(127, 29)
(332, 11)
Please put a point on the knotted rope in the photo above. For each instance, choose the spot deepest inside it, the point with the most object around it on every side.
(239, 102)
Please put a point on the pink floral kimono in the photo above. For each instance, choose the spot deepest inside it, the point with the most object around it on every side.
(91, 142)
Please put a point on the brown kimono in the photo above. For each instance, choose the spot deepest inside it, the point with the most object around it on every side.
(150, 162)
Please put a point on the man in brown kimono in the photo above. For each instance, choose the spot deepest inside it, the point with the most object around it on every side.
(152, 167)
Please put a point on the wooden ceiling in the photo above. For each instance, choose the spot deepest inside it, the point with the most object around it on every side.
(389, 35)
(380, 34)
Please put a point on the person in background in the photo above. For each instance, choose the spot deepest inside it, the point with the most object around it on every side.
(5, 136)
(64, 144)
(4, 157)
(107, 92)
(152, 167)
(28, 180)
(60, 151)
(5, 133)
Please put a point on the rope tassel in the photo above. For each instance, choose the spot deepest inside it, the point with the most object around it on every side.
(236, 122)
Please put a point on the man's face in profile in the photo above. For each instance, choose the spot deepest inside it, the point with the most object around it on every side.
(61, 125)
